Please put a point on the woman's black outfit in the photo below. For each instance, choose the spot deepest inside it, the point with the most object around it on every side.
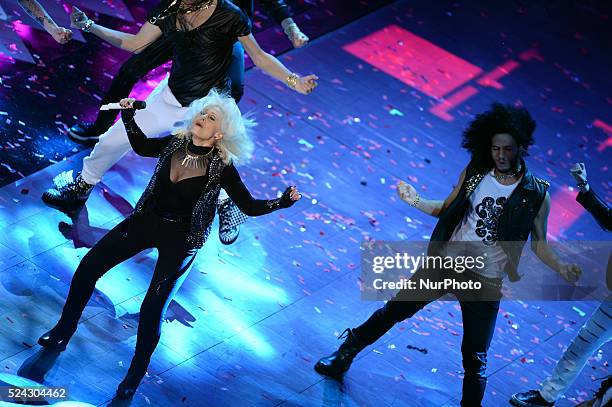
(174, 216)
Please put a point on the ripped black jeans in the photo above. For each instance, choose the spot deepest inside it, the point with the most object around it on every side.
(479, 319)
(136, 233)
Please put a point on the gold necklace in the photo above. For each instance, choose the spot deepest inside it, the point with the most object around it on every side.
(191, 160)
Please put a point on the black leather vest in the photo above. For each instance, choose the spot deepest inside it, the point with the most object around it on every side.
(514, 224)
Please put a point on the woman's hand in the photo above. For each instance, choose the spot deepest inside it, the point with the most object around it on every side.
(127, 103)
(128, 113)
(290, 196)
(306, 84)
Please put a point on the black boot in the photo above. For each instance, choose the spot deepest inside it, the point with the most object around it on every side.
(531, 398)
(85, 132)
(127, 388)
(68, 193)
(339, 362)
(54, 340)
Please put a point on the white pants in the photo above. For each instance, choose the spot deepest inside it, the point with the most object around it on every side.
(158, 119)
(596, 332)
(162, 114)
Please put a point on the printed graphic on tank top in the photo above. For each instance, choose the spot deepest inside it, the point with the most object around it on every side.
(479, 226)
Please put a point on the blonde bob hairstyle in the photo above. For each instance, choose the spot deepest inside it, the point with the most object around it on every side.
(237, 145)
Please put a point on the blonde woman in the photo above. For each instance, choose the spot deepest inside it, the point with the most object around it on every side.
(174, 215)
(202, 35)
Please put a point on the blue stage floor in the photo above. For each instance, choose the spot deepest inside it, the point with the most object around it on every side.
(253, 318)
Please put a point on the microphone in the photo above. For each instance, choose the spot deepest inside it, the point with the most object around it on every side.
(138, 105)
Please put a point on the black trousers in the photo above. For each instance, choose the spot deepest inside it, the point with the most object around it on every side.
(141, 231)
(157, 54)
(479, 319)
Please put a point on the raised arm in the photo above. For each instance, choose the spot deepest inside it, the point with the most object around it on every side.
(431, 207)
(541, 248)
(146, 147)
(38, 13)
(235, 188)
(600, 210)
(135, 43)
(273, 67)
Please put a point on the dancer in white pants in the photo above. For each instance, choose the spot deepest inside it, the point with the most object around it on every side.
(163, 111)
(595, 333)
(203, 33)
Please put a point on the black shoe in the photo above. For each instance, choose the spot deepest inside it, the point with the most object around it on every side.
(54, 341)
(84, 132)
(604, 388)
(127, 388)
(68, 193)
(227, 233)
(339, 362)
(531, 398)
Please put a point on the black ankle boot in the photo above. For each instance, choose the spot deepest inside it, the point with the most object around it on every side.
(127, 388)
(68, 192)
(54, 340)
(339, 362)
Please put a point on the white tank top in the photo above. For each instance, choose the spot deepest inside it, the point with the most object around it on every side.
(479, 224)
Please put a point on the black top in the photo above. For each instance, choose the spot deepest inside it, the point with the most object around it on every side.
(202, 56)
(596, 207)
(179, 198)
(602, 213)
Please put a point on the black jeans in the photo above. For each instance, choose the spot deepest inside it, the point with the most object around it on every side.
(155, 55)
(479, 319)
(141, 231)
